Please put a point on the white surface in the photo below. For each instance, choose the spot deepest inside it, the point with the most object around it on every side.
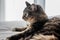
(14, 9)
(7, 27)
(5, 34)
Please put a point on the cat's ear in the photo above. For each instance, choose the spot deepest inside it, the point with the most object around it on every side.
(27, 4)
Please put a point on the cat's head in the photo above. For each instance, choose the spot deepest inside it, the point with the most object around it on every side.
(33, 13)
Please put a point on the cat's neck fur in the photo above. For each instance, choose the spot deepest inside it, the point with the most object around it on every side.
(38, 25)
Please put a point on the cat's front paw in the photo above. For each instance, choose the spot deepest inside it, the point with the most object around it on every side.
(14, 29)
(19, 29)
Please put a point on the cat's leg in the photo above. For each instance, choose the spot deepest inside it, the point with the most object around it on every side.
(21, 35)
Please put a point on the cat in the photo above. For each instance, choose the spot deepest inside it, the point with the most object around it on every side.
(37, 21)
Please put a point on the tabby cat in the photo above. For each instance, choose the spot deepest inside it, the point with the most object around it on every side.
(38, 27)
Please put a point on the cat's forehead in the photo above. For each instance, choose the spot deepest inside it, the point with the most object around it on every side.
(26, 9)
(29, 8)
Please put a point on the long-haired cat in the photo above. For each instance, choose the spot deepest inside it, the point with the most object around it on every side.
(35, 15)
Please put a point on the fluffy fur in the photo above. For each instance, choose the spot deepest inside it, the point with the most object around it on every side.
(52, 27)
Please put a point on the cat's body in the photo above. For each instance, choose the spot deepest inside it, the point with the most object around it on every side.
(37, 18)
(52, 27)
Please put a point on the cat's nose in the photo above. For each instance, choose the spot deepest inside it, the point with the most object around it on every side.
(23, 17)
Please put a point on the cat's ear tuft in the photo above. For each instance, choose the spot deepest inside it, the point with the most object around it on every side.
(27, 4)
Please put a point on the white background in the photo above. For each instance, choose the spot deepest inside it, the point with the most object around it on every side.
(52, 7)
(14, 9)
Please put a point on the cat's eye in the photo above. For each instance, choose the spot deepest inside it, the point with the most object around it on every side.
(26, 14)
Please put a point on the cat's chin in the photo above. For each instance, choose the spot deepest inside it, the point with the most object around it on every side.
(30, 22)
